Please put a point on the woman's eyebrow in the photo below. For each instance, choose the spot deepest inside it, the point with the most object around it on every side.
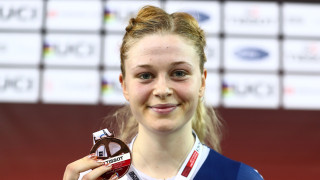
(142, 66)
(148, 66)
(181, 62)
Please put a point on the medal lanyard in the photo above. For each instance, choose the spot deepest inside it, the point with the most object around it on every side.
(188, 167)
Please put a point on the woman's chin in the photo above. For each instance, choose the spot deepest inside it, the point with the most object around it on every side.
(164, 128)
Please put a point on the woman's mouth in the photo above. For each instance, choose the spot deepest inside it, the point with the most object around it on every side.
(164, 108)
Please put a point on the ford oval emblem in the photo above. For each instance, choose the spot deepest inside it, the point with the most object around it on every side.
(251, 53)
(199, 16)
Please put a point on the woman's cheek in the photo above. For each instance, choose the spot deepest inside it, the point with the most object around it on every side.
(141, 92)
(187, 91)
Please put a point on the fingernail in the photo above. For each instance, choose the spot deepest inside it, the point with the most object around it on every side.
(101, 161)
(92, 156)
(107, 164)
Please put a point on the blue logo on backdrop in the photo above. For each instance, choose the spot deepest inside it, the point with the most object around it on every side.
(251, 53)
(199, 16)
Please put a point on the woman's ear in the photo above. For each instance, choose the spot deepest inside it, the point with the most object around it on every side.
(124, 87)
(203, 83)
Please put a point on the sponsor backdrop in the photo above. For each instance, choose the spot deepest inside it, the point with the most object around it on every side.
(59, 68)
(69, 51)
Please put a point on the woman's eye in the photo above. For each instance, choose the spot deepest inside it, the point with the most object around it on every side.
(145, 76)
(179, 73)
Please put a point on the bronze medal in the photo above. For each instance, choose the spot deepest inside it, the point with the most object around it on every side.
(117, 154)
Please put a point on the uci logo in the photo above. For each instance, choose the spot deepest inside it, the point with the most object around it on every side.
(19, 13)
(114, 15)
(255, 89)
(18, 84)
(109, 87)
(81, 50)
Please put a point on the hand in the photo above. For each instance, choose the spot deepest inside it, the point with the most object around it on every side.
(74, 169)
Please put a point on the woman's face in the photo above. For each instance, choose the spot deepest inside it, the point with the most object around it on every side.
(163, 82)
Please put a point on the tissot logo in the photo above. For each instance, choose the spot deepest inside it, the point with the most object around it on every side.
(251, 53)
(17, 13)
(81, 49)
(70, 86)
(301, 91)
(17, 84)
(253, 89)
(311, 53)
(251, 17)
(200, 16)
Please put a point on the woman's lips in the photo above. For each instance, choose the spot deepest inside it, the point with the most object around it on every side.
(164, 108)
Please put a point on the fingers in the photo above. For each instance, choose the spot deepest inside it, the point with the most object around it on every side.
(97, 172)
(114, 177)
(74, 169)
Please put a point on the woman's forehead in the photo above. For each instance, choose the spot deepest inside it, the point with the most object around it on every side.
(160, 45)
(161, 50)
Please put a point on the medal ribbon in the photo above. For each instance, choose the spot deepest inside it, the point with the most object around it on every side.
(188, 167)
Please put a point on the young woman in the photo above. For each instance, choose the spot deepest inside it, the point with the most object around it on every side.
(166, 123)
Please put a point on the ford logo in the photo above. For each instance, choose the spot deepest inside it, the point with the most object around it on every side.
(251, 53)
(199, 16)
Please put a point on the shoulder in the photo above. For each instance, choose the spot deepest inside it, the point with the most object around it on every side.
(247, 172)
(217, 166)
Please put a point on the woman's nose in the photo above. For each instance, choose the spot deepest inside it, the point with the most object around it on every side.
(162, 88)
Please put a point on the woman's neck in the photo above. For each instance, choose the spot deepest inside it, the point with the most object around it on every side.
(160, 155)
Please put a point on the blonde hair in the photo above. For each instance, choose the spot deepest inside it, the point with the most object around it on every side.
(151, 20)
